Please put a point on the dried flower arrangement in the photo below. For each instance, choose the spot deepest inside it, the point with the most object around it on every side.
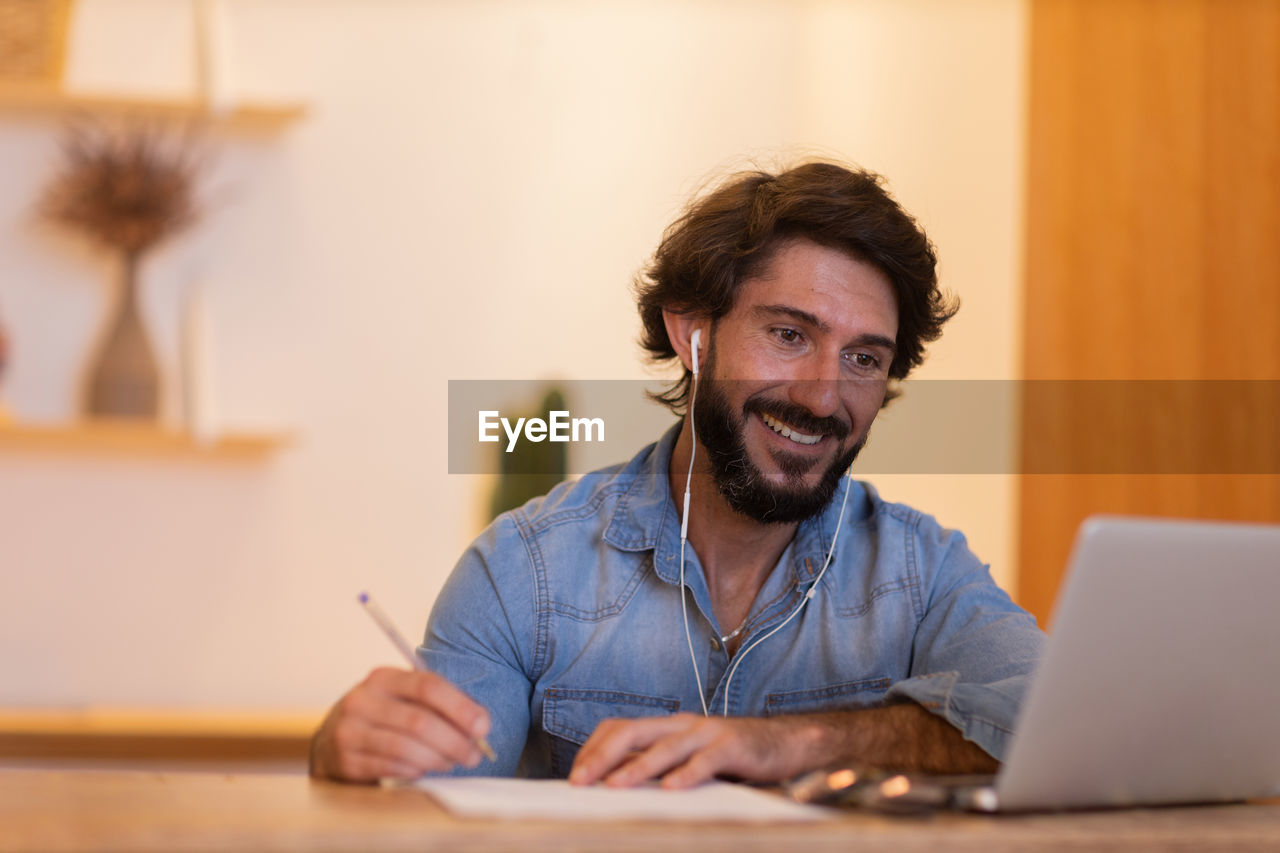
(127, 190)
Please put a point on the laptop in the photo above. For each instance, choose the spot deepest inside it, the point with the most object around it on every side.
(1159, 684)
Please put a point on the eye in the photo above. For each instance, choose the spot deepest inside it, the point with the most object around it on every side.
(864, 360)
(787, 335)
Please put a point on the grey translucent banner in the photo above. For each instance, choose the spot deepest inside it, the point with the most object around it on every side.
(932, 427)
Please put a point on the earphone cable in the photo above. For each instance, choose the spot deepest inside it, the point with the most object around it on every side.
(684, 537)
(813, 588)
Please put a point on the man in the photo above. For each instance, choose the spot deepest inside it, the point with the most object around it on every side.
(804, 623)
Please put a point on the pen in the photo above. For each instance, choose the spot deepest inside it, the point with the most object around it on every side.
(384, 622)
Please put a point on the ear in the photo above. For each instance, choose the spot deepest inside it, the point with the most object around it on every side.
(680, 328)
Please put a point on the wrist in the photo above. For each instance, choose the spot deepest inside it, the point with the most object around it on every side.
(869, 737)
(810, 741)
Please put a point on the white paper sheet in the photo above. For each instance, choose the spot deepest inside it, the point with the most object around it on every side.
(550, 799)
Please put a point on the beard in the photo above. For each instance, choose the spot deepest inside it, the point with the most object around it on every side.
(741, 482)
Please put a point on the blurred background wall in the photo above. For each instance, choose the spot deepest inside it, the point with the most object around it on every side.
(471, 191)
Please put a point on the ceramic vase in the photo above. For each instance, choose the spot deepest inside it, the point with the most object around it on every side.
(123, 381)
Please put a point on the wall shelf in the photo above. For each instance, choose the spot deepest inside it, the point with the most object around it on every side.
(139, 735)
(123, 436)
(247, 116)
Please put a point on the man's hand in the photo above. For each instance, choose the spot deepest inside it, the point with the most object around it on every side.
(399, 724)
(687, 749)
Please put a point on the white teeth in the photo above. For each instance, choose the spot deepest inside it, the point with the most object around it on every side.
(787, 432)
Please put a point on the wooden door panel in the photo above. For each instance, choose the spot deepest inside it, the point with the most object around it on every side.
(1153, 253)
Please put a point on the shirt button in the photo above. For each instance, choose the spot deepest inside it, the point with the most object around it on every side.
(715, 643)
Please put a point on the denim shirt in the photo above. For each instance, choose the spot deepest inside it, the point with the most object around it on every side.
(567, 611)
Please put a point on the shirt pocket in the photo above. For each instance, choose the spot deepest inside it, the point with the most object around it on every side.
(569, 716)
(845, 696)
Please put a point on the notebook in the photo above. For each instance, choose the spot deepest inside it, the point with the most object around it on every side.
(1159, 685)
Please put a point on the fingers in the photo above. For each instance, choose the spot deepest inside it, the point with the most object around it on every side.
(689, 756)
(382, 753)
(398, 723)
(628, 752)
(437, 693)
(702, 766)
(613, 741)
(671, 758)
(685, 750)
(424, 741)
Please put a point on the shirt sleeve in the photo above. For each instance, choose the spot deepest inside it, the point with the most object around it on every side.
(478, 638)
(974, 650)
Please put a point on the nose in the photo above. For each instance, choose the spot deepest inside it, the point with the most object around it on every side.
(817, 388)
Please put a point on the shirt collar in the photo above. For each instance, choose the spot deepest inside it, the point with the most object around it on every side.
(646, 519)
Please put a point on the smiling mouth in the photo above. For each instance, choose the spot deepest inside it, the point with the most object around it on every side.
(788, 432)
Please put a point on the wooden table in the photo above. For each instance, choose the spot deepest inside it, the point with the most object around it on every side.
(129, 810)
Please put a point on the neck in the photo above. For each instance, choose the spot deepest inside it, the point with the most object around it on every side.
(737, 553)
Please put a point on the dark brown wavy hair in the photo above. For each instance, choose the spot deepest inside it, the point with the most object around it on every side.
(731, 235)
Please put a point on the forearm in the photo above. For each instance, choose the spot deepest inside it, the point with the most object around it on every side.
(687, 749)
(897, 737)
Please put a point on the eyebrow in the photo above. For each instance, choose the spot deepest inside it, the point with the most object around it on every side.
(813, 320)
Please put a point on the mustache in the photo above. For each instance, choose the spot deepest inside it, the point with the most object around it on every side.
(799, 417)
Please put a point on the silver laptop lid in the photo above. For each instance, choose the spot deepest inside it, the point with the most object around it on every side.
(1161, 679)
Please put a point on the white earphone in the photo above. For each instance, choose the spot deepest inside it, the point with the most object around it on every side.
(694, 340)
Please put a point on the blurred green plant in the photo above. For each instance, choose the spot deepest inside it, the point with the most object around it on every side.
(531, 469)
